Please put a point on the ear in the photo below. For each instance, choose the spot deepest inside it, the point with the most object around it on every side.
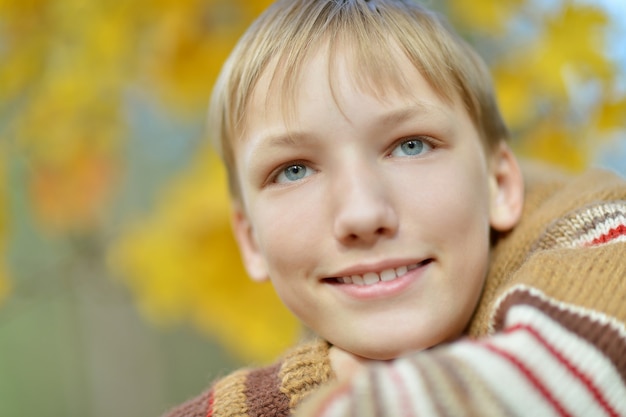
(506, 189)
(253, 259)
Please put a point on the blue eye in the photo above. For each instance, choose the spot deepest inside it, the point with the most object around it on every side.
(293, 173)
(411, 147)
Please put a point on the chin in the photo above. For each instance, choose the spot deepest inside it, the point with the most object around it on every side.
(386, 353)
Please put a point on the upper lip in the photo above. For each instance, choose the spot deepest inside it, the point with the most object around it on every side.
(378, 267)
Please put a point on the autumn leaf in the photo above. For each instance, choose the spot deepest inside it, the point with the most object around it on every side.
(188, 44)
(486, 16)
(571, 41)
(553, 142)
(611, 115)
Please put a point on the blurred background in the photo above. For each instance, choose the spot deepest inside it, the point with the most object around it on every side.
(121, 290)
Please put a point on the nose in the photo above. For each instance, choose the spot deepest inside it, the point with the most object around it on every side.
(364, 211)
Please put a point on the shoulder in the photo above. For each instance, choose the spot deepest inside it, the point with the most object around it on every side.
(272, 390)
(581, 211)
(568, 244)
(551, 194)
(584, 211)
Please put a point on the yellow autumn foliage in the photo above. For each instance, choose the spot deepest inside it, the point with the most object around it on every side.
(537, 85)
(484, 15)
(570, 45)
(611, 114)
(188, 41)
(183, 264)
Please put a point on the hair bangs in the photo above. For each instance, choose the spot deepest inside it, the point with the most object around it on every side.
(371, 57)
(371, 40)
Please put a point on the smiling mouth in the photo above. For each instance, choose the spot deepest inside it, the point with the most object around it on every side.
(372, 278)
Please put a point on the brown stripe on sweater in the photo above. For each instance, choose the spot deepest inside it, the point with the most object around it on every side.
(196, 407)
(605, 337)
(229, 395)
(474, 397)
(453, 387)
(438, 393)
(263, 392)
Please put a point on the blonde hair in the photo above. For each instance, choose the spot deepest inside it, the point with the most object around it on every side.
(290, 31)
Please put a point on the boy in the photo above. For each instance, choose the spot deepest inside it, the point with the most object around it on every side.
(371, 180)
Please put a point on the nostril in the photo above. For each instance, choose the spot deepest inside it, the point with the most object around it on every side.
(364, 217)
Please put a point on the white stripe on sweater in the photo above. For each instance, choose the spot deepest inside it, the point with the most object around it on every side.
(581, 354)
(504, 379)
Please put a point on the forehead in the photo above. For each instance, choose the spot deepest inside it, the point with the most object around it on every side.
(333, 71)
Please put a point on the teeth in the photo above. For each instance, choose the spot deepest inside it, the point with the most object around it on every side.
(371, 278)
(401, 271)
(358, 280)
(388, 275)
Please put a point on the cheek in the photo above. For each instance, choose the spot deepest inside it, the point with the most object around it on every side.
(455, 211)
(286, 234)
(458, 197)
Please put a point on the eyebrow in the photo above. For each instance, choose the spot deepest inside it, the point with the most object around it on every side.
(281, 140)
(395, 116)
(271, 141)
(405, 113)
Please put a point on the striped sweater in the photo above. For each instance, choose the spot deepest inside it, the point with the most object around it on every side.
(548, 337)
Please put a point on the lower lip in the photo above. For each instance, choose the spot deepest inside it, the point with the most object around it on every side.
(383, 289)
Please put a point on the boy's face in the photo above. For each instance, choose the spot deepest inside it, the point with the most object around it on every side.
(371, 217)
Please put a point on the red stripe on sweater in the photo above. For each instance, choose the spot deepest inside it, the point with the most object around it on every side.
(210, 405)
(402, 392)
(591, 387)
(534, 380)
(610, 235)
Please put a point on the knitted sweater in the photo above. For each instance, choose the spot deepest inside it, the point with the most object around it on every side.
(548, 337)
